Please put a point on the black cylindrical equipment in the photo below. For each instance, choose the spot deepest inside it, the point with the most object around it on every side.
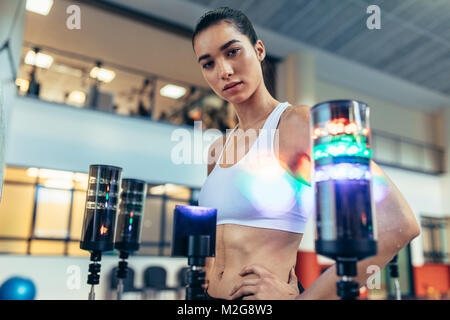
(393, 274)
(102, 199)
(131, 211)
(129, 225)
(99, 222)
(343, 187)
(194, 237)
(198, 250)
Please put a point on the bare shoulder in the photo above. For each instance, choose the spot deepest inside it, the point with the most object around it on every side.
(295, 127)
(296, 113)
(294, 140)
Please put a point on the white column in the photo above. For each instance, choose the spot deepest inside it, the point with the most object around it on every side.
(296, 79)
(445, 178)
(12, 17)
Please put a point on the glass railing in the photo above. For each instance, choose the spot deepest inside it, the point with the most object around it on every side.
(42, 212)
(405, 153)
(63, 77)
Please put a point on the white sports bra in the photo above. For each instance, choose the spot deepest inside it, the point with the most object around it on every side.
(257, 191)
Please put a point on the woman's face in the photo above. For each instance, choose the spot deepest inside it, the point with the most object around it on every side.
(227, 58)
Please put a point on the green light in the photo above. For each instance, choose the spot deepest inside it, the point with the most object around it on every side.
(131, 220)
(107, 196)
(345, 145)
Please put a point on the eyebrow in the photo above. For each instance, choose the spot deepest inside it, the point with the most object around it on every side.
(223, 47)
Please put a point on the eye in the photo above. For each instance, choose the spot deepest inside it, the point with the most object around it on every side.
(233, 52)
(206, 65)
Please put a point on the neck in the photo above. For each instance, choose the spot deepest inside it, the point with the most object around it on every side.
(256, 108)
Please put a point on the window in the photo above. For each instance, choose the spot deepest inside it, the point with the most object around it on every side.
(405, 153)
(42, 211)
(436, 239)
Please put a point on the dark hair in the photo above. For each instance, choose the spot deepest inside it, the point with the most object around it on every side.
(243, 25)
(232, 16)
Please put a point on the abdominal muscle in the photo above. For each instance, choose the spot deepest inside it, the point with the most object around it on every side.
(239, 246)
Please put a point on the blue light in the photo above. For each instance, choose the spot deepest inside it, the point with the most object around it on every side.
(196, 210)
(342, 171)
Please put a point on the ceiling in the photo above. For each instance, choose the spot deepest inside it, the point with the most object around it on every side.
(413, 44)
(132, 58)
(407, 61)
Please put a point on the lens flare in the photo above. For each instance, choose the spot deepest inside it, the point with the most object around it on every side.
(272, 188)
(380, 188)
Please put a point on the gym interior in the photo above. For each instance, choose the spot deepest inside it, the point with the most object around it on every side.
(117, 83)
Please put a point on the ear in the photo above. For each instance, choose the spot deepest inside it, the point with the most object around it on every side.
(260, 50)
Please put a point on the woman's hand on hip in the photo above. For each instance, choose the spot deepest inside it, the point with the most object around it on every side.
(267, 287)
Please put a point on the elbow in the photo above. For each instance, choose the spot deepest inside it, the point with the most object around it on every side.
(410, 230)
(414, 230)
(411, 226)
(404, 232)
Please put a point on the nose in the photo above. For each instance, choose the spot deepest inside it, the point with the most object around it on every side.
(225, 70)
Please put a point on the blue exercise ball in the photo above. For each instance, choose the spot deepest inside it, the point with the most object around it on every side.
(17, 288)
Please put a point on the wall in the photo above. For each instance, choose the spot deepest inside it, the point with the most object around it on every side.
(55, 278)
(384, 115)
(432, 278)
(48, 135)
(12, 15)
(107, 37)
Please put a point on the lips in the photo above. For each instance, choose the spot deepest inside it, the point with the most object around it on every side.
(231, 85)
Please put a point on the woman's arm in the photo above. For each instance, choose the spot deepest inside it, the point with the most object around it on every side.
(396, 227)
(395, 222)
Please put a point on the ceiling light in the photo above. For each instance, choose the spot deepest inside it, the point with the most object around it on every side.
(39, 6)
(40, 60)
(49, 174)
(58, 184)
(76, 97)
(172, 91)
(102, 74)
(33, 172)
(213, 101)
(22, 84)
(81, 177)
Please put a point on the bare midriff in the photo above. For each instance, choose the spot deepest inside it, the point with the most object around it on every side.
(239, 246)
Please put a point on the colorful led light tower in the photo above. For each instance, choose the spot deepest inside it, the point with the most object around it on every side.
(131, 212)
(102, 197)
(343, 184)
(129, 224)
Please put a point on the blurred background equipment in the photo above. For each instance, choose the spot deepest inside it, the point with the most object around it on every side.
(102, 198)
(18, 288)
(129, 225)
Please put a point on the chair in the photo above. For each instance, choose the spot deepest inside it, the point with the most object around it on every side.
(182, 282)
(155, 278)
(128, 282)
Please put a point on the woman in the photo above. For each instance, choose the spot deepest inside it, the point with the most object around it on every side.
(257, 237)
